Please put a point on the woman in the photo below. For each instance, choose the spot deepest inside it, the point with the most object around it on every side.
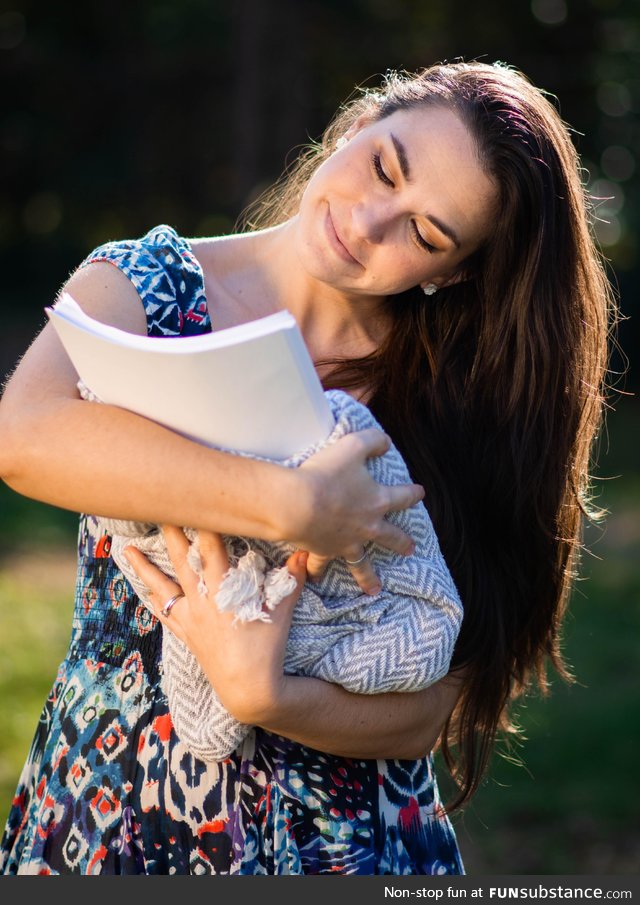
(460, 181)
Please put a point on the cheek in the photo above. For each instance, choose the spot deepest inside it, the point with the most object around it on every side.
(396, 273)
(407, 266)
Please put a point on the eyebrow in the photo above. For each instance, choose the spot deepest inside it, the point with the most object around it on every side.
(405, 169)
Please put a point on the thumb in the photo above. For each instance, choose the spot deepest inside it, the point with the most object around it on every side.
(297, 568)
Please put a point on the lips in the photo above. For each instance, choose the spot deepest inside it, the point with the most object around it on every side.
(336, 242)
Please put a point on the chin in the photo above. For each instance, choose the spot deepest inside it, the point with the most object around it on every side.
(315, 261)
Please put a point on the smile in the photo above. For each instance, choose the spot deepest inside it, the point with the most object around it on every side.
(336, 242)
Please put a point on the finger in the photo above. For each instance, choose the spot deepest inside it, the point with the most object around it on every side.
(365, 575)
(214, 555)
(161, 587)
(178, 547)
(214, 558)
(373, 442)
(176, 537)
(395, 539)
(297, 567)
(154, 578)
(317, 566)
(403, 496)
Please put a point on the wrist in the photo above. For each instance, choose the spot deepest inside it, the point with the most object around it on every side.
(295, 506)
(264, 704)
(264, 504)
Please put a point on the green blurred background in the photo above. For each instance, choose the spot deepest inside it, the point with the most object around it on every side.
(119, 116)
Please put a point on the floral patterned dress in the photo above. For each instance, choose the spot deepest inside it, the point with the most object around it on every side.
(109, 788)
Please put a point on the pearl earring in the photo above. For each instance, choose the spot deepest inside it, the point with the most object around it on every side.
(341, 142)
(429, 289)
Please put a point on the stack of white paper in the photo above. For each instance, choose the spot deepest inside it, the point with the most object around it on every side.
(251, 388)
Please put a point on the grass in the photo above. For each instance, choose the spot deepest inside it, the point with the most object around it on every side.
(571, 809)
(36, 604)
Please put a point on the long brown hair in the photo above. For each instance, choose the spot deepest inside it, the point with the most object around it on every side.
(493, 389)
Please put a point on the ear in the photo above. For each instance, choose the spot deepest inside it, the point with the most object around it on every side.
(459, 277)
(466, 270)
(431, 287)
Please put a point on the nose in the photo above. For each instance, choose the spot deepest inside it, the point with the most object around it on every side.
(372, 221)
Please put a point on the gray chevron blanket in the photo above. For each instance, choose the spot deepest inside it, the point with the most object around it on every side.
(400, 640)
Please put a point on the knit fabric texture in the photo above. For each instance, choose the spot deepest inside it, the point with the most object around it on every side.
(402, 639)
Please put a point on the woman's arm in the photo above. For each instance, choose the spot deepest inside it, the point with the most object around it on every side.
(390, 726)
(101, 459)
(244, 663)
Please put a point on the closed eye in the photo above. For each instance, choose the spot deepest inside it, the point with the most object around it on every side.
(380, 171)
(420, 239)
(386, 180)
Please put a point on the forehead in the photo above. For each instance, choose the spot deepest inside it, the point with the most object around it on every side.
(447, 177)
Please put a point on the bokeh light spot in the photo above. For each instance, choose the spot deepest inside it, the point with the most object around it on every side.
(608, 231)
(614, 99)
(618, 163)
(549, 12)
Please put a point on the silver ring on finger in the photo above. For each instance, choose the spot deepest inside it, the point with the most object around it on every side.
(166, 609)
(356, 562)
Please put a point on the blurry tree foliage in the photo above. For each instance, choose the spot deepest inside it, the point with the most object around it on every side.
(117, 117)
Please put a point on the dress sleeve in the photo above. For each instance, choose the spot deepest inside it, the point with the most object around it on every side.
(167, 277)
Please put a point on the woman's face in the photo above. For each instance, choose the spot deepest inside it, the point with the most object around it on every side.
(402, 203)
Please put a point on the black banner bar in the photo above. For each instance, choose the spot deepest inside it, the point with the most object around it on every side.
(332, 890)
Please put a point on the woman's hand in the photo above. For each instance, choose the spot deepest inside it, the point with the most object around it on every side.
(243, 661)
(343, 508)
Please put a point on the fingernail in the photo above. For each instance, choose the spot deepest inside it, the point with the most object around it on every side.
(374, 590)
(303, 556)
(411, 549)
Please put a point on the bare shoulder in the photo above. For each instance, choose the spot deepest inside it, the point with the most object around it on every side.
(105, 293)
(45, 371)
